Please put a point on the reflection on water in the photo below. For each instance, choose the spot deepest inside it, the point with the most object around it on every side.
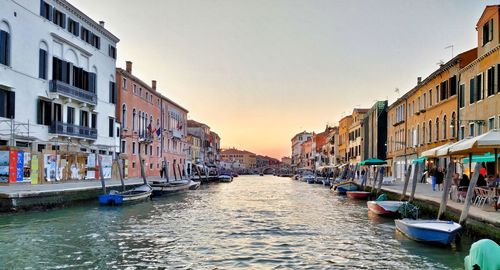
(253, 222)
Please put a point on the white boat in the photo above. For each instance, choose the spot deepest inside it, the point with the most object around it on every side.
(432, 231)
(163, 187)
(133, 195)
(384, 207)
(225, 178)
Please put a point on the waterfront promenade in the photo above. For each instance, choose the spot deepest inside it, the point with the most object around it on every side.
(424, 193)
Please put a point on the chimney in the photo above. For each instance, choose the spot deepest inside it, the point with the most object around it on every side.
(153, 84)
(129, 66)
(101, 23)
(419, 80)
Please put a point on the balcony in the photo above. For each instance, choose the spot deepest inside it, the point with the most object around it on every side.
(70, 91)
(60, 128)
(177, 133)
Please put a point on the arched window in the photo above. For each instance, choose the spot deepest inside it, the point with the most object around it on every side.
(430, 131)
(43, 60)
(124, 116)
(133, 119)
(445, 127)
(437, 129)
(454, 124)
(5, 43)
(418, 135)
(423, 133)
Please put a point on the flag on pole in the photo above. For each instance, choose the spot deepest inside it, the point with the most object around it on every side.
(158, 132)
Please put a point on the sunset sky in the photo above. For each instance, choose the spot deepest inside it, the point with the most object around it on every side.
(258, 72)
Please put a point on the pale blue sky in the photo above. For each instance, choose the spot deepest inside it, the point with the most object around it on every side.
(258, 72)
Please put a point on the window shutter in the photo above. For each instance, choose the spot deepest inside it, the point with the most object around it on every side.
(63, 20)
(11, 107)
(42, 4)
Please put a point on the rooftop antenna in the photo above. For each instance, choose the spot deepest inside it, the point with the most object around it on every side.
(450, 47)
(397, 91)
(440, 63)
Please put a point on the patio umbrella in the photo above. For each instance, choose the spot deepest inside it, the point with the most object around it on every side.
(487, 142)
(372, 161)
(419, 160)
(488, 157)
(431, 153)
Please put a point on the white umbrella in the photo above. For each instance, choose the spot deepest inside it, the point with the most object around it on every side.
(487, 142)
(445, 150)
(433, 152)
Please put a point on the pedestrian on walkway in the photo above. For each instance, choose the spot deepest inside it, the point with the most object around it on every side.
(434, 174)
(439, 179)
(363, 178)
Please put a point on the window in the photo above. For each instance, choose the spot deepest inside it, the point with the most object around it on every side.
(71, 116)
(85, 34)
(93, 124)
(124, 116)
(95, 41)
(430, 97)
(112, 93)
(472, 90)
(150, 150)
(491, 81)
(471, 130)
(430, 131)
(112, 51)
(491, 123)
(84, 119)
(122, 147)
(44, 112)
(425, 101)
(418, 102)
(461, 96)
(4, 48)
(488, 32)
(437, 94)
(73, 27)
(462, 133)
(444, 90)
(124, 86)
(46, 10)
(111, 127)
(445, 127)
(59, 18)
(42, 64)
(479, 87)
(133, 148)
(133, 119)
(453, 122)
(479, 129)
(453, 85)
(437, 129)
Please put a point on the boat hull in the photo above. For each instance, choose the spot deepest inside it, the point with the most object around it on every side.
(342, 189)
(429, 231)
(360, 195)
(384, 208)
(163, 188)
(139, 194)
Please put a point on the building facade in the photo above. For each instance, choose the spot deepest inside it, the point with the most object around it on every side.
(297, 141)
(57, 77)
(374, 132)
(355, 136)
(344, 125)
(240, 160)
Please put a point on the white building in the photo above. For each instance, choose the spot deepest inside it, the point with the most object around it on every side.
(297, 141)
(57, 73)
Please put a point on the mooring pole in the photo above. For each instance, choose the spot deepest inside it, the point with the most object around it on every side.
(120, 174)
(100, 174)
(407, 180)
(375, 179)
(380, 180)
(446, 191)
(470, 193)
(416, 173)
(175, 173)
(180, 173)
(141, 163)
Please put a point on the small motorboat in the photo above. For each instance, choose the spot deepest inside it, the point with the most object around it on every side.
(168, 187)
(309, 178)
(261, 174)
(430, 231)
(138, 194)
(384, 208)
(319, 180)
(360, 195)
(225, 178)
(326, 182)
(342, 188)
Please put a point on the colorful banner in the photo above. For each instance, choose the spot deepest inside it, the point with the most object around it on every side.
(91, 167)
(50, 166)
(27, 166)
(13, 166)
(4, 166)
(34, 169)
(20, 166)
(107, 163)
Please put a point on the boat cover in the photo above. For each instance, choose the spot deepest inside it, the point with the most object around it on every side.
(484, 253)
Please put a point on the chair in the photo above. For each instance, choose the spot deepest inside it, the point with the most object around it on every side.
(462, 193)
(482, 196)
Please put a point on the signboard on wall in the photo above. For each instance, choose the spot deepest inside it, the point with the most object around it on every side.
(4, 166)
(20, 166)
(50, 166)
(27, 166)
(107, 162)
(91, 167)
(34, 169)
(13, 166)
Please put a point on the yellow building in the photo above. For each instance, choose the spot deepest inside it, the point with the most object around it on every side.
(355, 135)
(344, 125)
(248, 160)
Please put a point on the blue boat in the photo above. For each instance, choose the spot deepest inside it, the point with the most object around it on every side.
(431, 231)
(134, 195)
(342, 188)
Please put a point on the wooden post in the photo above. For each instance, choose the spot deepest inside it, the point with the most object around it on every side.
(407, 180)
(180, 173)
(375, 180)
(100, 175)
(446, 191)
(206, 174)
(166, 169)
(470, 193)
(141, 163)
(496, 163)
(175, 174)
(380, 180)
(416, 174)
(120, 174)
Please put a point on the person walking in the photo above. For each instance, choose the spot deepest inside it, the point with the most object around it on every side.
(439, 179)
(363, 178)
(434, 174)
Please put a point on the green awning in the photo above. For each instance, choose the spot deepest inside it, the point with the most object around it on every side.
(419, 160)
(372, 161)
(482, 158)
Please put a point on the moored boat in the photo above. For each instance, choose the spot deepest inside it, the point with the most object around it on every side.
(138, 194)
(225, 178)
(164, 187)
(342, 188)
(326, 182)
(430, 231)
(384, 208)
(361, 195)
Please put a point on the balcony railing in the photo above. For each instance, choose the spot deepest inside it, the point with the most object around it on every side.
(72, 92)
(73, 130)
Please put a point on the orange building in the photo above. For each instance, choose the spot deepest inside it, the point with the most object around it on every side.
(355, 144)
(344, 125)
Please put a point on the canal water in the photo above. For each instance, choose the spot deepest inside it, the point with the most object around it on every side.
(254, 222)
